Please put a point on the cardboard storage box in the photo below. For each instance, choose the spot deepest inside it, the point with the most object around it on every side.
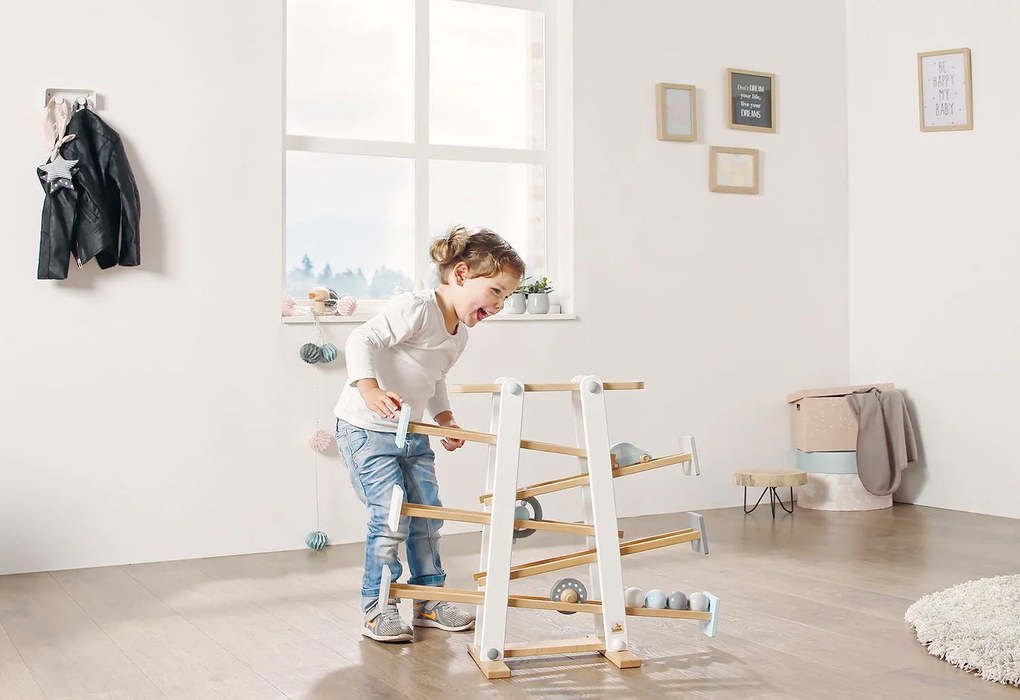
(823, 420)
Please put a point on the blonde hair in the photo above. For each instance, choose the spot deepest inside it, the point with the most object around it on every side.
(484, 251)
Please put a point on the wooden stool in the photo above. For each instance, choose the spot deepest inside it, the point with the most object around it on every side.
(770, 480)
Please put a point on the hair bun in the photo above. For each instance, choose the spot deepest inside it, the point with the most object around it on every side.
(451, 246)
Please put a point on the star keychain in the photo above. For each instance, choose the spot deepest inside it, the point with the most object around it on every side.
(58, 172)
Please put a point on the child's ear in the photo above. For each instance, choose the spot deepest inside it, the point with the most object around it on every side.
(460, 273)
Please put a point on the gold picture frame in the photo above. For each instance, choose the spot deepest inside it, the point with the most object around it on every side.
(750, 100)
(733, 170)
(676, 112)
(944, 90)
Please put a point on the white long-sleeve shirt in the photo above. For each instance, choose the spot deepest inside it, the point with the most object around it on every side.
(407, 349)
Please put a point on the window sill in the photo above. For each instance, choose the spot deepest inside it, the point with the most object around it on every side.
(361, 318)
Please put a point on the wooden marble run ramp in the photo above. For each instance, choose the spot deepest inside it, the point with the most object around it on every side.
(572, 482)
(502, 523)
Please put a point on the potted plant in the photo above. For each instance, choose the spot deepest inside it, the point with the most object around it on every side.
(517, 302)
(538, 296)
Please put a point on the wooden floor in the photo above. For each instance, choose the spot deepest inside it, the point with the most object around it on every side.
(812, 607)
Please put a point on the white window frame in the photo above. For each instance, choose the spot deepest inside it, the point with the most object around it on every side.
(557, 157)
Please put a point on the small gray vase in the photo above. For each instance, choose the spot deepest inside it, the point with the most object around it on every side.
(538, 303)
(516, 303)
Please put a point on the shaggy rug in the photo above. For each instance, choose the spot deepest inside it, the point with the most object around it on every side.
(975, 625)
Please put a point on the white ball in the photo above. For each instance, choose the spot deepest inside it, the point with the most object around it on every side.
(699, 602)
(617, 645)
(655, 599)
(633, 597)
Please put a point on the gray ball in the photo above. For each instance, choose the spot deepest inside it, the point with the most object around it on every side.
(311, 353)
(677, 600)
(699, 602)
(493, 654)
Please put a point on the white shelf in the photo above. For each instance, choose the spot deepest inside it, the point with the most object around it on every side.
(361, 318)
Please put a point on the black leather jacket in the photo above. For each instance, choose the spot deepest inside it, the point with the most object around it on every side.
(98, 218)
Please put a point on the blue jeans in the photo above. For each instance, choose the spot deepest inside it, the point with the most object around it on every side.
(376, 465)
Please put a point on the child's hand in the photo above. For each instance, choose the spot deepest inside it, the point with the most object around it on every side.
(450, 444)
(385, 404)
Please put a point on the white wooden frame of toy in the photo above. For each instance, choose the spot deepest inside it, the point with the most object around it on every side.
(605, 549)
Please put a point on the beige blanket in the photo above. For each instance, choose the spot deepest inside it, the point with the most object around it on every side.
(885, 438)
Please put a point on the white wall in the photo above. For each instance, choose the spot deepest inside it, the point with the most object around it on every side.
(933, 245)
(162, 412)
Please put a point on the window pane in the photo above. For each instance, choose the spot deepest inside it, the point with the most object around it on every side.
(487, 75)
(350, 69)
(508, 198)
(350, 224)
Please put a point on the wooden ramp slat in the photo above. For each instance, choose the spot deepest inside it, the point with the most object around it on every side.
(551, 386)
(572, 482)
(470, 516)
(567, 561)
(559, 646)
(531, 602)
(490, 439)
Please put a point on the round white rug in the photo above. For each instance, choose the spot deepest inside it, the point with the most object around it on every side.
(975, 625)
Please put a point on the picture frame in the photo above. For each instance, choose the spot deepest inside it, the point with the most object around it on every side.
(733, 170)
(751, 100)
(944, 92)
(676, 112)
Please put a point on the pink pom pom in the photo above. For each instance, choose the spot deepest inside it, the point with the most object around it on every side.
(320, 440)
(347, 306)
(287, 307)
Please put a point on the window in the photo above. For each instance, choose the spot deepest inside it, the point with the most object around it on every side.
(407, 116)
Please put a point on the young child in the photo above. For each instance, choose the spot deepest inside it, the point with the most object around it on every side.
(403, 354)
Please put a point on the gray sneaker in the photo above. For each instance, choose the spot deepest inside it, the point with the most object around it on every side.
(383, 624)
(439, 613)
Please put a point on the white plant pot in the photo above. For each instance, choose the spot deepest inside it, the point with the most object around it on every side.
(538, 303)
(517, 303)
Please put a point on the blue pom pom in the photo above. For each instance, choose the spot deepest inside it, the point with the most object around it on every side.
(329, 352)
(317, 539)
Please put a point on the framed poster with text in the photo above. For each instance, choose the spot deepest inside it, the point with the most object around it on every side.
(944, 90)
(751, 100)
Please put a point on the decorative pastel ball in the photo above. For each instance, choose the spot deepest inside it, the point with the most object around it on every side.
(329, 352)
(655, 599)
(677, 600)
(347, 306)
(633, 597)
(522, 513)
(320, 441)
(287, 305)
(699, 602)
(617, 645)
(311, 353)
(317, 539)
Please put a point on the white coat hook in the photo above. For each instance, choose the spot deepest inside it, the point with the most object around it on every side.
(78, 97)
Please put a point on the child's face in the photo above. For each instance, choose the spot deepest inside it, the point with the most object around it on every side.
(480, 297)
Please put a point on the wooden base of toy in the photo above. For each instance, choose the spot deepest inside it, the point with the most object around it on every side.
(495, 669)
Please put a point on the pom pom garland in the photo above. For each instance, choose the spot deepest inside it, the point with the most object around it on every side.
(328, 352)
(287, 305)
(311, 353)
(317, 539)
(347, 306)
(320, 440)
